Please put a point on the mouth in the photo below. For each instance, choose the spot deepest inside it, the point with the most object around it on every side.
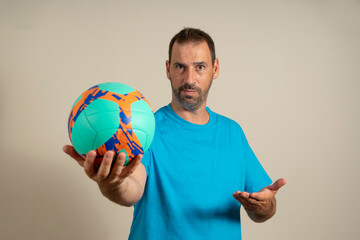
(189, 90)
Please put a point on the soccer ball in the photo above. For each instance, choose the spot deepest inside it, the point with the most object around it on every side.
(111, 116)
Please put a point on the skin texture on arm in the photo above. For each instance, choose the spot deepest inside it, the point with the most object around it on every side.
(260, 206)
(122, 185)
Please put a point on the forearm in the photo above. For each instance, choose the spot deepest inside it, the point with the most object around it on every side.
(126, 194)
(263, 214)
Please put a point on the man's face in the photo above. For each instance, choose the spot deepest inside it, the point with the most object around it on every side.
(191, 73)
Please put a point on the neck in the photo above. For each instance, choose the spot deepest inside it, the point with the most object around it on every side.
(198, 116)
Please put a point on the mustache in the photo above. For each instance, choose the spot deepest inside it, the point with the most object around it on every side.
(188, 86)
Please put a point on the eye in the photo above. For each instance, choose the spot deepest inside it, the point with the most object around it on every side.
(200, 67)
(179, 66)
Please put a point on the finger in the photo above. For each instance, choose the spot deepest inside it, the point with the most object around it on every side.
(70, 150)
(262, 195)
(241, 201)
(105, 166)
(129, 169)
(236, 195)
(244, 199)
(277, 184)
(118, 166)
(89, 164)
(239, 194)
(243, 196)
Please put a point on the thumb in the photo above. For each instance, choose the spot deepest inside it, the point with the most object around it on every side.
(269, 191)
(277, 184)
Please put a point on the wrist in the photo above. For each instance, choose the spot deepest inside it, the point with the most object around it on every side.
(113, 189)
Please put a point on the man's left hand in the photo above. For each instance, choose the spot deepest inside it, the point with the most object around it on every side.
(261, 205)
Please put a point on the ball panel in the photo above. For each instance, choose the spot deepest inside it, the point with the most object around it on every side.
(147, 127)
(82, 102)
(142, 136)
(82, 135)
(143, 120)
(103, 115)
(140, 106)
(102, 137)
(118, 88)
(150, 130)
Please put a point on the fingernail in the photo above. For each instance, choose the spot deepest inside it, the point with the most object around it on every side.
(108, 154)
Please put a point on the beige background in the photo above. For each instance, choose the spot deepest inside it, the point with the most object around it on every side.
(289, 74)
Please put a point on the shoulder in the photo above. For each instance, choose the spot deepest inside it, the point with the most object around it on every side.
(230, 126)
(160, 113)
(226, 121)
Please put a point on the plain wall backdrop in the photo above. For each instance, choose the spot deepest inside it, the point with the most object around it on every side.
(289, 74)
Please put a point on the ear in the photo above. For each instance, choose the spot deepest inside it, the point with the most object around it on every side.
(168, 69)
(216, 68)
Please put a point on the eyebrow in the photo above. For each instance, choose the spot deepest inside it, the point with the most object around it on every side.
(194, 63)
(200, 63)
(178, 63)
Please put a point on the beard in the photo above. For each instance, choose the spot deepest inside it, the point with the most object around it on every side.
(190, 103)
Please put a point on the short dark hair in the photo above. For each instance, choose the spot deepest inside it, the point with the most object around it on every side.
(193, 35)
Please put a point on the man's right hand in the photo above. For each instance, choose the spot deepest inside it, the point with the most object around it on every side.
(111, 179)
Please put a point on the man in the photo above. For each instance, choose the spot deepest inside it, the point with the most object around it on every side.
(199, 168)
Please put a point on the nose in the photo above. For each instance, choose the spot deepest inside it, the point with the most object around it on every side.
(189, 76)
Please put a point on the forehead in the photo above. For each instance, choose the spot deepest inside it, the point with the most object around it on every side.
(191, 51)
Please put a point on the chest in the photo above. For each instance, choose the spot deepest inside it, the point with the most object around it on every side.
(200, 162)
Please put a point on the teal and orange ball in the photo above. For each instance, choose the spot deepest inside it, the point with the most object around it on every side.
(111, 116)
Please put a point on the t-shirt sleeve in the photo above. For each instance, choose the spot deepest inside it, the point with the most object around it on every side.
(256, 177)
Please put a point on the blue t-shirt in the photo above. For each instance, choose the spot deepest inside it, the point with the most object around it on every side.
(192, 172)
